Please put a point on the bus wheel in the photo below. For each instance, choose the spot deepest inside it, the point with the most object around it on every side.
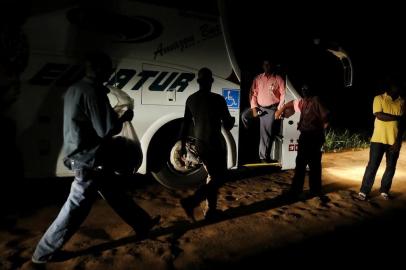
(165, 166)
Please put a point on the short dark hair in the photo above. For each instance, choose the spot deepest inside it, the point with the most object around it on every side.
(98, 59)
(308, 89)
(205, 73)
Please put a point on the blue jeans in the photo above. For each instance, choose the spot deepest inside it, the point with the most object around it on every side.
(375, 157)
(84, 189)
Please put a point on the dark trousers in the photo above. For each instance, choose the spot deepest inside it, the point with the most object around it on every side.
(215, 162)
(266, 119)
(83, 193)
(309, 153)
(376, 152)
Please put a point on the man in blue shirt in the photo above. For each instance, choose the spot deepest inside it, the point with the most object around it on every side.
(89, 123)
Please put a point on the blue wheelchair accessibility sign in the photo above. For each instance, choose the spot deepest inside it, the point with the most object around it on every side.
(232, 97)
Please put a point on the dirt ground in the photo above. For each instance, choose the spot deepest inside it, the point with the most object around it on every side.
(259, 230)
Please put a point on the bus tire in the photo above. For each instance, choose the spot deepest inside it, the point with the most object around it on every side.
(159, 161)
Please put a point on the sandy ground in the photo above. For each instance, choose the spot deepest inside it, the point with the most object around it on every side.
(259, 228)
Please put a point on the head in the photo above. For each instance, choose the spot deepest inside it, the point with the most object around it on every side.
(98, 66)
(267, 66)
(205, 79)
(393, 89)
(306, 91)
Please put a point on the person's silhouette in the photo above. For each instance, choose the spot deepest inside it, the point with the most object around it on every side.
(205, 114)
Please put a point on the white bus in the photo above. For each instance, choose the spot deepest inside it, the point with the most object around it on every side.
(158, 51)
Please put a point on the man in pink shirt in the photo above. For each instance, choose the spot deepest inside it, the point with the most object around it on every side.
(266, 96)
(313, 122)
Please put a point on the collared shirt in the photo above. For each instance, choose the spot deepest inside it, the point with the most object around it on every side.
(88, 118)
(386, 132)
(267, 90)
(313, 114)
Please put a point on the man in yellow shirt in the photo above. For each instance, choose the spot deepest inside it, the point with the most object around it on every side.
(388, 109)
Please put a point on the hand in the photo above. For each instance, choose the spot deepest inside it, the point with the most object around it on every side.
(127, 116)
(396, 146)
(255, 112)
(326, 125)
(278, 114)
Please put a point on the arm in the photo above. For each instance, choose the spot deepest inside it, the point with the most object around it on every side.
(282, 91)
(386, 116)
(398, 142)
(402, 128)
(279, 112)
(378, 111)
(253, 97)
(104, 119)
(324, 114)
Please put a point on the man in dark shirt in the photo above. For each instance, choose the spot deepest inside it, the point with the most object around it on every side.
(313, 121)
(205, 114)
(90, 122)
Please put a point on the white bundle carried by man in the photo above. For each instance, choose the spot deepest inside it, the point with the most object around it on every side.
(125, 154)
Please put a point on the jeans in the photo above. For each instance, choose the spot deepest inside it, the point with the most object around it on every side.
(83, 192)
(376, 152)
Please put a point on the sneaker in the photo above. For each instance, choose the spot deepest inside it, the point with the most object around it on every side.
(323, 199)
(362, 196)
(58, 256)
(36, 261)
(188, 208)
(385, 196)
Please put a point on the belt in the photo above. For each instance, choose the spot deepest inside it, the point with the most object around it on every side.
(271, 107)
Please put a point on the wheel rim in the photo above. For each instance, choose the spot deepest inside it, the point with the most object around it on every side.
(175, 163)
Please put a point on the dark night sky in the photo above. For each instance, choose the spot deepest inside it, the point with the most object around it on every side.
(372, 34)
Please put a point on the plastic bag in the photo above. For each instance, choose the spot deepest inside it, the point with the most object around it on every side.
(125, 153)
(124, 101)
